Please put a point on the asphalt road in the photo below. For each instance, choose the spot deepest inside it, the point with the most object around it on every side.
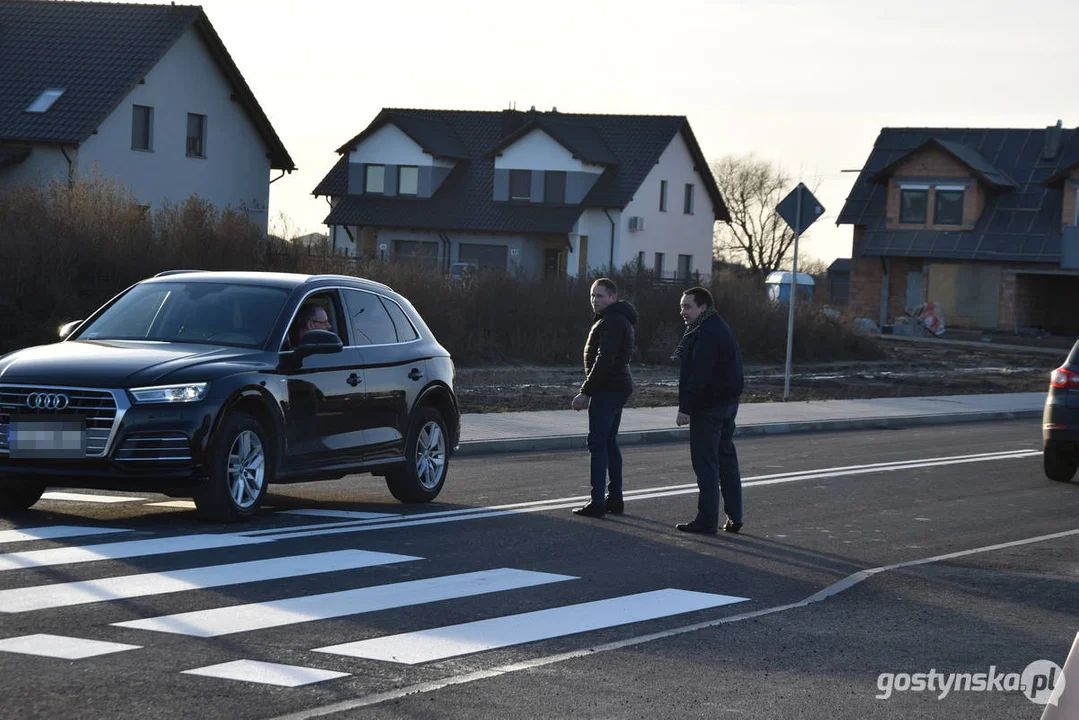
(548, 611)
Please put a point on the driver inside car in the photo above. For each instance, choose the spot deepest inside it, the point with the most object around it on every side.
(309, 317)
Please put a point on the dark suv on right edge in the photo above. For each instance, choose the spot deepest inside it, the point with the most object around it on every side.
(1060, 420)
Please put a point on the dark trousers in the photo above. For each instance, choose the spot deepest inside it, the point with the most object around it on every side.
(604, 416)
(715, 461)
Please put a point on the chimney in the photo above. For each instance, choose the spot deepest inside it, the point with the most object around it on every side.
(1053, 135)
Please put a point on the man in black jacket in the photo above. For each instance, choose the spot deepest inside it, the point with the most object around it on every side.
(709, 387)
(606, 389)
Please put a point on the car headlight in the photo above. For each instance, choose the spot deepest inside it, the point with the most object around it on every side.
(191, 392)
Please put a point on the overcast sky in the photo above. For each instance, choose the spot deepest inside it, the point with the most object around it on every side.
(807, 85)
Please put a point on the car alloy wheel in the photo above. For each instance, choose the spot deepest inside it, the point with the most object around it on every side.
(430, 455)
(246, 470)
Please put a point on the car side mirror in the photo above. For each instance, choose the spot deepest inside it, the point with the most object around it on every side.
(318, 342)
(68, 328)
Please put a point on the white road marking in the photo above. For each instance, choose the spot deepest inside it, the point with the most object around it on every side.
(259, 616)
(39, 597)
(834, 589)
(347, 514)
(454, 640)
(120, 550)
(59, 646)
(183, 504)
(80, 497)
(478, 513)
(51, 532)
(266, 673)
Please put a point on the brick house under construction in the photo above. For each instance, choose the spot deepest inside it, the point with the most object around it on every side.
(981, 221)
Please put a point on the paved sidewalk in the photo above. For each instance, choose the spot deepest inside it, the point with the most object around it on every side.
(561, 429)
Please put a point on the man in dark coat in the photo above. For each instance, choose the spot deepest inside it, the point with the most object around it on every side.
(606, 389)
(709, 387)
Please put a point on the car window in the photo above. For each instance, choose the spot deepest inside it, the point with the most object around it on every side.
(401, 323)
(328, 301)
(198, 312)
(369, 322)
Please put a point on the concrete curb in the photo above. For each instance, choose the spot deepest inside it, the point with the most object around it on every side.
(643, 437)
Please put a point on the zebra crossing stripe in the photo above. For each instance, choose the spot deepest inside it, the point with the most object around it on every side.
(39, 597)
(266, 673)
(60, 646)
(259, 616)
(453, 640)
(52, 532)
(120, 550)
(87, 498)
(343, 514)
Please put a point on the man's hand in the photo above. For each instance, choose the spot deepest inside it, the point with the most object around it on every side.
(580, 402)
(682, 419)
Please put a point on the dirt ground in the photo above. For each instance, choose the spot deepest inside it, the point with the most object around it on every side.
(908, 369)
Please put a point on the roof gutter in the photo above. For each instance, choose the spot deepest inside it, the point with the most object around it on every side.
(283, 173)
(70, 166)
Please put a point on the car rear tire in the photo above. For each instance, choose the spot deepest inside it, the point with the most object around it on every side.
(19, 495)
(239, 470)
(1060, 464)
(423, 474)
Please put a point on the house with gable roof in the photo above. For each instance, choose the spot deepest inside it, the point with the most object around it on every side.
(145, 94)
(541, 193)
(981, 221)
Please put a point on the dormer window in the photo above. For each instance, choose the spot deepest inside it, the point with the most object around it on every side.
(408, 180)
(520, 184)
(554, 186)
(948, 205)
(374, 179)
(913, 204)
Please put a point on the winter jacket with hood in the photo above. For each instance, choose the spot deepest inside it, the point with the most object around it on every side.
(608, 350)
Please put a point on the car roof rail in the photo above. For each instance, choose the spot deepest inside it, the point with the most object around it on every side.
(365, 281)
(163, 273)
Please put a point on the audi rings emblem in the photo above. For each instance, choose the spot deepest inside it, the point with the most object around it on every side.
(47, 401)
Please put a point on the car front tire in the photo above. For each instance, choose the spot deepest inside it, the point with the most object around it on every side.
(19, 495)
(1059, 463)
(423, 474)
(239, 469)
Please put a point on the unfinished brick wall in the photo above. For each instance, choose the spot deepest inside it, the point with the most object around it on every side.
(1006, 317)
(933, 163)
(1067, 213)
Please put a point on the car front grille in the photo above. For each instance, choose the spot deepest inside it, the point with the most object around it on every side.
(145, 449)
(98, 407)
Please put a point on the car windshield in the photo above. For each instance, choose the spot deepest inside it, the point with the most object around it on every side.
(191, 312)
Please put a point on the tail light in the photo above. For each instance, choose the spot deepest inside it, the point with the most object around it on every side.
(1062, 377)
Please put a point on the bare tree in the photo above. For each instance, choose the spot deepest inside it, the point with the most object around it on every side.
(756, 236)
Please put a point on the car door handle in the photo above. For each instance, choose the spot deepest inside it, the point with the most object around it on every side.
(415, 374)
(354, 380)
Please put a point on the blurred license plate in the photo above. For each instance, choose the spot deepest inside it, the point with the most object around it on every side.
(47, 438)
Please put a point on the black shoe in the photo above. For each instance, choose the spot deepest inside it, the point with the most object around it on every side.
(731, 526)
(592, 509)
(614, 505)
(696, 527)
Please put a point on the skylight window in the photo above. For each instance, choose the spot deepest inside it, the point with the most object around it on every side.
(45, 100)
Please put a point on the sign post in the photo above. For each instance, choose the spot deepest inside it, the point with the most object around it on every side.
(799, 209)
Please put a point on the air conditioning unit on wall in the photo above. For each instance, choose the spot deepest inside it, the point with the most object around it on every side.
(636, 222)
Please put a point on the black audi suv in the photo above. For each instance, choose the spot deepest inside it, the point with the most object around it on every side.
(198, 384)
(1060, 420)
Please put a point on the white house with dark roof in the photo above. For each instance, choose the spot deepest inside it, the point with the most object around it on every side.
(543, 193)
(144, 94)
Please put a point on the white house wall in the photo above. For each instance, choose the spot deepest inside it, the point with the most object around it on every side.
(539, 151)
(236, 169)
(594, 224)
(389, 145)
(672, 233)
(44, 164)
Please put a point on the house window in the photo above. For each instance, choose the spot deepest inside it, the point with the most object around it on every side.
(374, 179)
(913, 202)
(948, 206)
(520, 184)
(640, 260)
(688, 208)
(196, 135)
(663, 196)
(685, 262)
(554, 186)
(658, 267)
(142, 127)
(45, 100)
(408, 180)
